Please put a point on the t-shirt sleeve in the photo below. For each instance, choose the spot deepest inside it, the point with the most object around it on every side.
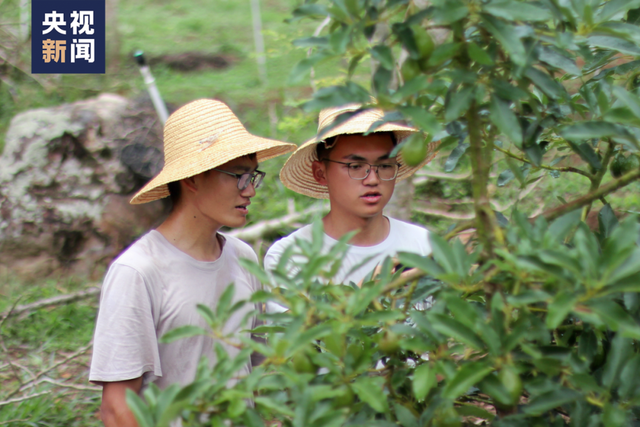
(125, 344)
(273, 256)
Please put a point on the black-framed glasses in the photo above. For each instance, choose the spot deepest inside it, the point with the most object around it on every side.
(361, 170)
(244, 179)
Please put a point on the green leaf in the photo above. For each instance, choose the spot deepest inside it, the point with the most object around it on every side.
(139, 408)
(550, 400)
(311, 42)
(507, 36)
(593, 129)
(558, 60)
(405, 416)
(528, 297)
(353, 64)
(370, 391)
(224, 302)
(505, 177)
(629, 377)
(545, 83)
(614, 7)
(452, 12)
(424, 379)
(560, 228)
(505, 90)
(443, 53)
(587, 153)
(467, 376)
(614, 43)
(422, 118)
(631, 101)
(458, 103)
(492, 386)
(302, 68)
(607, 220)
(311, 10)
(383, 55)
(559, 308)
(186, 331)
(450, 327)
(277, 407)
(502, 116)
(470, 410)
(454, 157)
(621, 351)
(477, 54)
(208, 315)
(516, 11)
(615, 317)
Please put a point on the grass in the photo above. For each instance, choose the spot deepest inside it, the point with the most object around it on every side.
(34, 343)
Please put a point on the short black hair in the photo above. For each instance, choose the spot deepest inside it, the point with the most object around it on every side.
(175, 190)
(323, 152)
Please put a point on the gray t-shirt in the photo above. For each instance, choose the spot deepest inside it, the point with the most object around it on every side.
(152, 288)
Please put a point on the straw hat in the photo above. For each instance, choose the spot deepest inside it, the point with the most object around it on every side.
(297, 175)
(200, 136)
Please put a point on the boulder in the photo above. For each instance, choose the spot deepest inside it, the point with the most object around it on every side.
(66, 175)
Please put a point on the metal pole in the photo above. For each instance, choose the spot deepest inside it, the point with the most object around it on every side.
(154, 93)
(258, 40)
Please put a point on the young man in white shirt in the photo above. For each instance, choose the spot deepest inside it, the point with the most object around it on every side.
(211, 175)
(358, 175)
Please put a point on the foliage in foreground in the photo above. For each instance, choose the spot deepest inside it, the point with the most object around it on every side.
(555, 343)
(535, 322)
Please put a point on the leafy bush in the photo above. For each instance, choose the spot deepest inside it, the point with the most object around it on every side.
(534, 322)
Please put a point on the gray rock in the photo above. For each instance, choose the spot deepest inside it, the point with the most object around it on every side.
(66, 175)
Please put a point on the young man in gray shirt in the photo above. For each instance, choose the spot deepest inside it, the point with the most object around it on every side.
(211, 174)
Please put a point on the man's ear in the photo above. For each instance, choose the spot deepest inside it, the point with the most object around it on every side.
(319, 170)
(190, 184)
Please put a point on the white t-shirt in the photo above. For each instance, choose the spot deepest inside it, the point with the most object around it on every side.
(403, 237)
(152, 288)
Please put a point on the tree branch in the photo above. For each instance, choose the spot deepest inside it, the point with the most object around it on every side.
(59, 299)
(551, 168)
(608, 188)
(254, 232)
(80, 352)
(23, 398)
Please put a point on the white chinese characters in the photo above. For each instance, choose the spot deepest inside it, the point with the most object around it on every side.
(82, 20)
(54, 50)
(83, 49)
(54, 20)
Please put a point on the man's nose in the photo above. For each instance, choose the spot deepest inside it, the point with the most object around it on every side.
(372, 178)
(250, 191)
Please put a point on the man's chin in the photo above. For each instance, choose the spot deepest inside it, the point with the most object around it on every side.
(236, 222)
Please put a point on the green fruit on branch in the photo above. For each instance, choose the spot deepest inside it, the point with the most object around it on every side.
(621, 165)
(414, 150)
(389, 343)
(410, 69)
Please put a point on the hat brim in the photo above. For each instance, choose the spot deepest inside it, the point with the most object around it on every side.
(264, 148)
(297, 173)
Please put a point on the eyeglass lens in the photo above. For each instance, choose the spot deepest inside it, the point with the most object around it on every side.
(361, 170)
(246, 178)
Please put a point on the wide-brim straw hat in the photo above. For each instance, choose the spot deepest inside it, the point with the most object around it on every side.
(202, 135)
(297, 174)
